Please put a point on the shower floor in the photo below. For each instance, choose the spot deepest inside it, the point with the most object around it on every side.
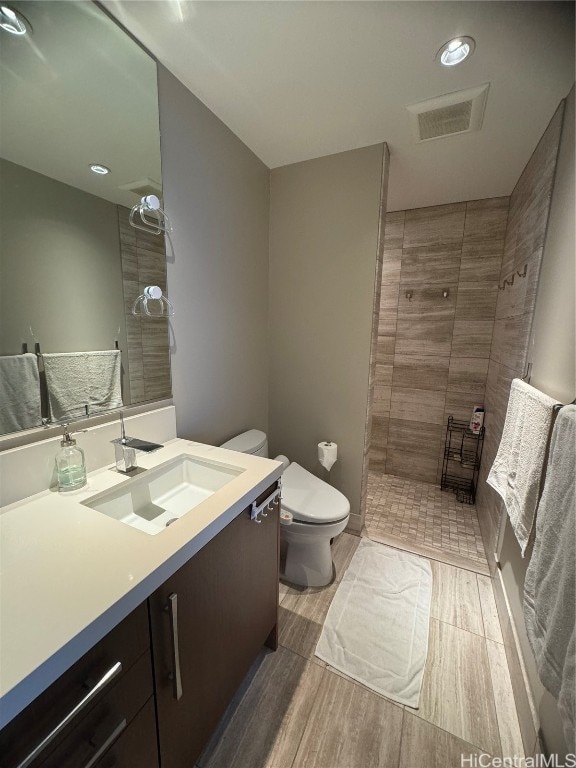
(421, 518)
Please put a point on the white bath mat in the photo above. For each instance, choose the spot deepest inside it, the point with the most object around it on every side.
(376, 630)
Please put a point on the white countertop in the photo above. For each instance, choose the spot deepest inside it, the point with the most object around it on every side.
(69, 573)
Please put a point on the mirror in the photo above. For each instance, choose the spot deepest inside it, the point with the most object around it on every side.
(76, 91)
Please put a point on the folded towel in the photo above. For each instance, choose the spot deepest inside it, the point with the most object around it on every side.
(550, 584)
(517, 470)
(79, 379)
(19, 393)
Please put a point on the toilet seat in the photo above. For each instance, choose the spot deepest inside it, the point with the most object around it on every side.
(311, 500)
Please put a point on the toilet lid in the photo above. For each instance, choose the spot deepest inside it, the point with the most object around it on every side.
(247, 442)
(311, 499)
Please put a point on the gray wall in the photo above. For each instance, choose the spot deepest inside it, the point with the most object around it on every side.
(60, 271)
(553, 355)
(217, 194)
(324, 218)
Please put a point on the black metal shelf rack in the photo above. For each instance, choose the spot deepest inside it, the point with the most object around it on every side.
(462, 456)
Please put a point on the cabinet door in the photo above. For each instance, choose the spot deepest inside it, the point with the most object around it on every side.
(221, 607)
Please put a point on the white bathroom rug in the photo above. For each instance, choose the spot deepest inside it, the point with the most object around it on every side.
(376, 630)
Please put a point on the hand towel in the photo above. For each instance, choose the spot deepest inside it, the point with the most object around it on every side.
(517, 470)
(550, 584)
(19, 393)
(78, 379)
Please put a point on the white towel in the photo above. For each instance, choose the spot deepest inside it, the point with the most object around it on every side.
(376, 630)
(550, 584)
(517, 470)
(79, 379)
(19, 393)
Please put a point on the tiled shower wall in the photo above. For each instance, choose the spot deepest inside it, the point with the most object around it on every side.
(523, 250)
(144, 263)
(433, 351)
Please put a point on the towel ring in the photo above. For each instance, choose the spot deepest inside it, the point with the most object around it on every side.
(152, 218)
(152, 293)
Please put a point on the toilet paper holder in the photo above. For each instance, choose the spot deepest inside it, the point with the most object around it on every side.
(258, 509)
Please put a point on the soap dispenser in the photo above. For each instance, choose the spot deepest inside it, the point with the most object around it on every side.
(70, 464)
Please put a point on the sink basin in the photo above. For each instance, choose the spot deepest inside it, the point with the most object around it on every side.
(156, 498)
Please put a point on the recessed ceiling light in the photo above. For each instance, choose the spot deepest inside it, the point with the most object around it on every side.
(12, 21)
(455, 51)
(101, 170)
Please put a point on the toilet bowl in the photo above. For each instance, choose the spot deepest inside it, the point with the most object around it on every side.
(317, 514)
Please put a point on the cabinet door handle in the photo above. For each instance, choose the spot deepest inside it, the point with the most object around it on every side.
(107, 744)
(114, 670)
(172, 609)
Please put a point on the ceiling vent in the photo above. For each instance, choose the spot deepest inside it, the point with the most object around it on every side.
(143, 187)
(459, 112)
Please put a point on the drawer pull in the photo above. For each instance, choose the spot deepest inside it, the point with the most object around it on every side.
(172, 609)
(107, 744)
(114, 670)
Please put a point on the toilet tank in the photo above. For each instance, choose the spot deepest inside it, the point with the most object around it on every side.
(254, 441)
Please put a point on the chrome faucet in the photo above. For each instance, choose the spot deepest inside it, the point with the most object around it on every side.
(125, 449)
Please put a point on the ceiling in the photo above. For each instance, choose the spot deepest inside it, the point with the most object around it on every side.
(298, 80)
(78, 91)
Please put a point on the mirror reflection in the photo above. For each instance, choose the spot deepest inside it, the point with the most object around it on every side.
(79, 147)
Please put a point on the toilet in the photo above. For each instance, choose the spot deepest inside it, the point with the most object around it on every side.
(319, 513)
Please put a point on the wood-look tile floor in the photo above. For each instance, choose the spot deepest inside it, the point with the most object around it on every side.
(294, 711)
(420, 517)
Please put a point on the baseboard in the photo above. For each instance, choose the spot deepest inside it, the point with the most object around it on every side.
(525, 707)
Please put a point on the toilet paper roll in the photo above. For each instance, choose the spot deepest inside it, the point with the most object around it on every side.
(327, 454)
(286, 518)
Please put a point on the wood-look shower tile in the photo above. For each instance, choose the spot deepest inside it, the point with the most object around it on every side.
(427, 302)
(455, 598)
(492, 629)
(424, 337)
(467, 374)
(486, 220)
(511, 300)
(381, 400)
(379, 433)
(302, 618)
(476, 301)
(461, 404)
(436, 225)
(267, 726)
(481, 263)
(457, 693)
(431, 264)
(426, 746)
(425, 406)
(158, 387)
(129, 261)
(394, 229)
(508, 725)
(377, 459)
(420, 371)
(385, 348)
(413, 449)
(131, 290)
(387, 321)
(510, 341)
(349, 726)
(391, 265)
(472, 338)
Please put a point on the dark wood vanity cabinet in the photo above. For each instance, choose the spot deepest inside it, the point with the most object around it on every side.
(155, 687)
(209, 622)
(92, 707)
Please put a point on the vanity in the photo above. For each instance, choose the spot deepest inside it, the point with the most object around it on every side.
(131, 609)
(122, 647)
